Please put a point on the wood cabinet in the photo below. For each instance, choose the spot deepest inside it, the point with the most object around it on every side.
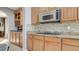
(37, 10)
(78, 13)
(70, 48)
(29, 42)
(35, 42)
(16, 38)
(43, 9)
(43, 43)
(12, 37)
(46, 9)
(49, 43)
(52, 44)
(34, 15)
(18, 17)
(38, 43)
(68, 14)
(70, 45)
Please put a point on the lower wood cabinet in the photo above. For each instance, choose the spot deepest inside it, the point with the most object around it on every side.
(66, 47)
(52, 44)
(29, 42)
(49, 43)
(38, 43)
(16, 38)
(35, 42)
(70, 45)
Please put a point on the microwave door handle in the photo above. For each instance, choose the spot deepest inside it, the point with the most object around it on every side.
(57, 14)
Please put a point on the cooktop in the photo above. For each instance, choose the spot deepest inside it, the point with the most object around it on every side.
(50, 33)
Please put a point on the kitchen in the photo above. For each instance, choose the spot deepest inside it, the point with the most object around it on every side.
(11, 24)
(53, 29)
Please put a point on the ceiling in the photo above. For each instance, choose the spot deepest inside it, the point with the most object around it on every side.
(14, 8)
(2, 14)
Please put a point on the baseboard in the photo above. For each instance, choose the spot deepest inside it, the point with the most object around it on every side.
(24, 50)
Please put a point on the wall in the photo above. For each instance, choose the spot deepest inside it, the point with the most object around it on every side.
(52, 27)
(26, 21)
(10, 17)
(1, 27)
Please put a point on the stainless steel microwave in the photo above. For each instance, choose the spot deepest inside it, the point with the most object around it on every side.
(52, 16)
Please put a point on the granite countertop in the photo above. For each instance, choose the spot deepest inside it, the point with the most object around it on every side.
(59, 36)
(15, 30)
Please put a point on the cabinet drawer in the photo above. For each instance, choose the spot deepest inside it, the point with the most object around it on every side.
(52, 39)
(69, 48)
(74, 42)
(52, 43)
(38, 37)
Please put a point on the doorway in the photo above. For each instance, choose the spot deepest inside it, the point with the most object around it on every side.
(2, 27)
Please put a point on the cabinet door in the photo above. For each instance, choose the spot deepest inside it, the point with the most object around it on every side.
(18, 17)
(29, 42)
(52, 8)
(43, 9)
(11, 37)
(52, 44)
(20, 39)
(21, 17)
(35, 15)
(38, 43)
(70, 44)
(17, 23)
(78, 13)
(69, 48)
(46, 9)
(14, 37)
(68, 13)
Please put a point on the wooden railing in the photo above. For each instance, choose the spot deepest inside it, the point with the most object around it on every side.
(16, 38)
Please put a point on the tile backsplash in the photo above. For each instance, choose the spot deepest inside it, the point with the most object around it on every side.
(65, 27)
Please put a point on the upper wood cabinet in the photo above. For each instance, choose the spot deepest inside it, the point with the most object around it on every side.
(34, 15)
(78, 12)
(68, 13)
(46, 9)
(18, 17)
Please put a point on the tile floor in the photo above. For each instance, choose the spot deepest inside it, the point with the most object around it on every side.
(14, 48)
